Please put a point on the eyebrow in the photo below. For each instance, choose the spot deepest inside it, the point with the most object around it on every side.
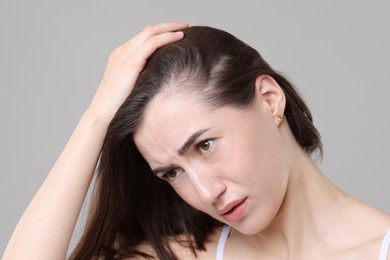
(187, 144)
(190, 141)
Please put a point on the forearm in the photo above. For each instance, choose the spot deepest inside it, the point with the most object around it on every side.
(46, 227)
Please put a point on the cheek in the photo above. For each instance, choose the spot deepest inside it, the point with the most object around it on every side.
(189, 194)
(260, 163)
(265, 183)
(270, 179)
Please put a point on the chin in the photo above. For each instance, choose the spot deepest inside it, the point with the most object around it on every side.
(248, 229)
(253, 224)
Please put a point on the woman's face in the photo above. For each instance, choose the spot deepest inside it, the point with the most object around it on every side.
(227, 162)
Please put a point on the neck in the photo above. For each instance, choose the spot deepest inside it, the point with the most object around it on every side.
(310, 208)
(307, 216)
(315, 219)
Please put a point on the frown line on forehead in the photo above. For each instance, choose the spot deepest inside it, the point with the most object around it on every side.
(183, 149)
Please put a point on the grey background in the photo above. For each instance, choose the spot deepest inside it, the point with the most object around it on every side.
(53, 53)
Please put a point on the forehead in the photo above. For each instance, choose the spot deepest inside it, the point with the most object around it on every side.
(171, 113)
(169, 120)
(172, 106)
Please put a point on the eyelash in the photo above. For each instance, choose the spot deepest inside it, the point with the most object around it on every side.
(197, 148)
(198, 145)
(165, 176)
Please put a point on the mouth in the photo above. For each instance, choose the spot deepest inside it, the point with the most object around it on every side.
(234, 210)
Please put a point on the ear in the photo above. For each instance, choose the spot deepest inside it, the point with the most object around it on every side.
(269, 92)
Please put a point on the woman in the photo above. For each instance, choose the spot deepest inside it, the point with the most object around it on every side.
(208, 155)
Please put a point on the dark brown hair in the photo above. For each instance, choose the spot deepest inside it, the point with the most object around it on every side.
(130, 205)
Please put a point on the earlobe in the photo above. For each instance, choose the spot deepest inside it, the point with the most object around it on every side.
(269, 91)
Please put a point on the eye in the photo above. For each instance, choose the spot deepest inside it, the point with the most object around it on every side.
(205, 146)
(171, 175)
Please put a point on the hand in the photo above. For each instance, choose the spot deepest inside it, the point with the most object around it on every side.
(65, 188)
(126, 63)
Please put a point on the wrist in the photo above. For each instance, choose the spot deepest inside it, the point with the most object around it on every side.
(96, 118)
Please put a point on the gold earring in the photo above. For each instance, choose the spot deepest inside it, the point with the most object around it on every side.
(280, 118)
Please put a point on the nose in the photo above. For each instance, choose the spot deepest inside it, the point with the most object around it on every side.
(208, 185)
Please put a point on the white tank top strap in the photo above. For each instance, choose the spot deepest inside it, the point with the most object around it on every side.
(222, 241)
(384, 250)
(385, 246)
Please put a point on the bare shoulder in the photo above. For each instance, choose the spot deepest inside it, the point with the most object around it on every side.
(367, 250)
(181, 251)
(370, 229)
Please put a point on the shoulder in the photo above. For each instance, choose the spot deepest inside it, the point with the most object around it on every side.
(358, 232)
(369, 234)
(368, 250)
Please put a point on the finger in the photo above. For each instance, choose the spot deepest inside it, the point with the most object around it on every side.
(164, 27)
(138, 59)
(151, 30)
(134, 54)
(157, 41)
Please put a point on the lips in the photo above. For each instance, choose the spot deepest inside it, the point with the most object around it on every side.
(234, 210)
